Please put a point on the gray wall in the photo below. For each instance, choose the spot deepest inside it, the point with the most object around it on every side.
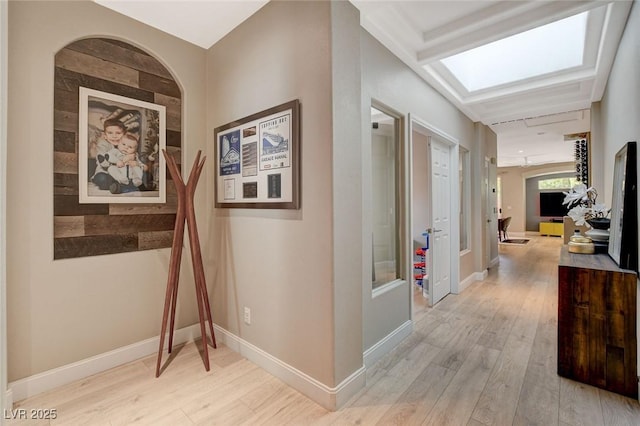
(620, 105)
(385, 79)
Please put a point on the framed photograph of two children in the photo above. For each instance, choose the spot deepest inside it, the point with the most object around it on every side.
(257, 160)
(120, 149)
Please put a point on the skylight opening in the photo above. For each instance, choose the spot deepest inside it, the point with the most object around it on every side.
(550, 48)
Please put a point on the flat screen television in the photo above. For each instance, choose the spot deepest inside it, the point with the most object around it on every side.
(551, 204)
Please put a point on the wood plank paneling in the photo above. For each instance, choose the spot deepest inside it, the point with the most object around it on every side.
(120, 54)
(123, 44)
(68, 205)
(157, 84)
(174, 139)
(65, 248)
(69, 180)
(174, 110)
(65, 100)
(176, 153)
(64, 141)
(108, 224)
(155, 239)
(67, 80)
(66, 121)
(65, 162)
(96, 67)
(146, 209)
(65, 184)
(68, 226)
(116, 67)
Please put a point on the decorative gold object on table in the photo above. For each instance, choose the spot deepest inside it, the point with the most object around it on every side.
(580, 244)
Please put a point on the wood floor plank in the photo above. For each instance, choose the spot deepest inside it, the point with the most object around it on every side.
(619, 410)
(499, 399)
(372, 404)
(456, 404)
(171, 418)
(465, 335)
(216, 396)
(579, 404)
(538, 403)
(414, 405)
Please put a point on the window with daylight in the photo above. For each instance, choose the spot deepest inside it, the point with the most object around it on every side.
(543, 50)
(557, 183)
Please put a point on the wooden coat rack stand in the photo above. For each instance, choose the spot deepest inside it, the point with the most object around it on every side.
(186, 212)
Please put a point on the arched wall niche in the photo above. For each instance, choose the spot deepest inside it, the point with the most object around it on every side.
(118, 68)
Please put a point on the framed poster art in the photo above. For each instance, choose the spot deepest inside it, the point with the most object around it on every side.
(623, 232)
(120, 141)
(257, 160)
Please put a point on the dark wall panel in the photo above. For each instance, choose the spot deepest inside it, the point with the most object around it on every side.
(119, 68)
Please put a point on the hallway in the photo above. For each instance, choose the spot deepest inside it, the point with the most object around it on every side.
(486, 356)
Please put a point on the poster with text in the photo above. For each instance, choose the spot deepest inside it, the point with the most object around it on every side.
(258, 162)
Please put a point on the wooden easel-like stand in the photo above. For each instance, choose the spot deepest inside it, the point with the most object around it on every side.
(186, 212)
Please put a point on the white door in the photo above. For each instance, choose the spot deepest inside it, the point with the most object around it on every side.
(440, 250)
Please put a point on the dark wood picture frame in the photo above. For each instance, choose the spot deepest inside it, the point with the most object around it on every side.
(623, 240)
(258, 160)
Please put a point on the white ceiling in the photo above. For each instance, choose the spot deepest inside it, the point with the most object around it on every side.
(201, 22)
(421, 33)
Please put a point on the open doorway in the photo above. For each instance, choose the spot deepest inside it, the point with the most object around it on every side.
(434, 219)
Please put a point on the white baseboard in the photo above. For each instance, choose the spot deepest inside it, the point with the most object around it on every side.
(466, 282)
(330, 398)
(494, 262)
(476, 276)
(47, 380)
(387, 344)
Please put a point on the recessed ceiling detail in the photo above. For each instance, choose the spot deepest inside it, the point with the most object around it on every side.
(426, 35)
(550, 48)
(550, 84)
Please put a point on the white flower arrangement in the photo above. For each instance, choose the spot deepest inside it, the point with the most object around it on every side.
(585, 207)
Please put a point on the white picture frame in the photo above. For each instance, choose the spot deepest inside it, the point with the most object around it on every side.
(101, 178)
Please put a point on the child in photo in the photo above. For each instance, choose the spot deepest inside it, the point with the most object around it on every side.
(114, 131)
(124, 165)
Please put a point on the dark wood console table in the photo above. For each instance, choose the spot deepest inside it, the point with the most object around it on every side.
(597, 322)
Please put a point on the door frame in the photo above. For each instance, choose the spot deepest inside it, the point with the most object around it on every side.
(425, 128)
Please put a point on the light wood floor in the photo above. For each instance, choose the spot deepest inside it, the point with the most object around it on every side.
(486, 356)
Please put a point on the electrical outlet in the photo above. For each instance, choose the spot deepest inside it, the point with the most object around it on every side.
(247, 315)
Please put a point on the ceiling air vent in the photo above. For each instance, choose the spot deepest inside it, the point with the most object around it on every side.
(554, 118)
